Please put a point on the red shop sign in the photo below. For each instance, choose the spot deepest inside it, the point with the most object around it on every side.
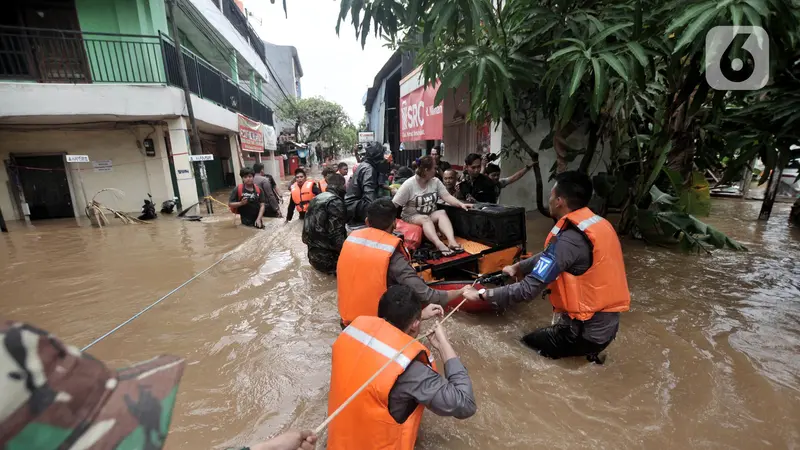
(419, 119)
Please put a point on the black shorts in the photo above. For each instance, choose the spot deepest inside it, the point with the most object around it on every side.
(564, 340)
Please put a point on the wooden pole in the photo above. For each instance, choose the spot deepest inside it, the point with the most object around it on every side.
(194, 134)
(770, 193)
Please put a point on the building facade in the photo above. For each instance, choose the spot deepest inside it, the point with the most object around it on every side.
(100, 78)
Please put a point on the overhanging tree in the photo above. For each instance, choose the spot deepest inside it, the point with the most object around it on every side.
(627, 74)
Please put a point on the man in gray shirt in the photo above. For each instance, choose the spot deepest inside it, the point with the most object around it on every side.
(569, 253)
(267, 186)
(361, 350)
(382, 214)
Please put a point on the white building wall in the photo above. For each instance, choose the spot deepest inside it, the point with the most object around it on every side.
(523, 192)
(132, 171)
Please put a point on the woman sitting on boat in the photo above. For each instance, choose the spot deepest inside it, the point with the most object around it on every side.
(418, 197)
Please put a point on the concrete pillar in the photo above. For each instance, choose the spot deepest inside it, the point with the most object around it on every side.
(160, 164)
(179, 139)
(234, 63)
(236, 157)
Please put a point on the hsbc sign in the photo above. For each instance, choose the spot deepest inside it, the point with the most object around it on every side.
(419, 119)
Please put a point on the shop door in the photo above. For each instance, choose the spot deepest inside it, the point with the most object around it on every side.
(44, 183)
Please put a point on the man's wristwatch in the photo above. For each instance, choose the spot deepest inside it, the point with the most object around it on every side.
(481, 293)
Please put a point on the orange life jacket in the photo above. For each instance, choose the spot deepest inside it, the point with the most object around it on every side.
(604, 287)
(323, 185)
(302, 196)
(361, 271)
(366, 424)
(239, 192)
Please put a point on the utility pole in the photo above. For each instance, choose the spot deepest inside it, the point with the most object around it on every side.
(194, 134)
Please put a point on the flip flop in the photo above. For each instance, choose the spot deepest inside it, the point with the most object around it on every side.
(457, 248)
(446, 253)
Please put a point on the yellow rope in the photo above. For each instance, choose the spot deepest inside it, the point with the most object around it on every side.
(215, 200)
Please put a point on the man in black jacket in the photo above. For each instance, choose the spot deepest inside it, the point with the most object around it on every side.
(363, 187)
(324, 226)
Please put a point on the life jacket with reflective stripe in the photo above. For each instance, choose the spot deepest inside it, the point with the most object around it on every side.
(323, 185)
(239, 192)
(604, 287)
(362, 270)
(302, 196)
(358, 353)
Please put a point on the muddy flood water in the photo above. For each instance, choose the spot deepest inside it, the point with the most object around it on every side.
(708, 357)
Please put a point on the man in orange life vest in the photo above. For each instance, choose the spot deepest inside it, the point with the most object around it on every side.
(302, 191)
(387, 414)
(582, 266)
(373, 259)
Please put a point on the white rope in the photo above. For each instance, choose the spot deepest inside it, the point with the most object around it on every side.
(156, 302)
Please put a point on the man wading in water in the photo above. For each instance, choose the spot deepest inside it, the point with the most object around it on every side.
(582, 265)
(248, 200)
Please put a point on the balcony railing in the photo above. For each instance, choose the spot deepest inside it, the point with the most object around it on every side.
(63, 56)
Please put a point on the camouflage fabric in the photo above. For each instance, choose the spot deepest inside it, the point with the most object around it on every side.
(55, 397)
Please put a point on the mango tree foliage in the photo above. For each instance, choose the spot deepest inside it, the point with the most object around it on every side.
(628, 74)
(315, 118)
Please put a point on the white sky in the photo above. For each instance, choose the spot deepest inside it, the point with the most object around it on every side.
(334, 67)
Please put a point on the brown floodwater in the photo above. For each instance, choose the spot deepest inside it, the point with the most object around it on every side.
(706, 358)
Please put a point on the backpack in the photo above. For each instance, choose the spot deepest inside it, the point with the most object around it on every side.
(239, 192)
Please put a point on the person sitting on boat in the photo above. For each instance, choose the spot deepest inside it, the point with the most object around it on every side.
(303, 190)
(373, 259)
(418, 197)
(582, 266)
(389, 411)
(363, 188)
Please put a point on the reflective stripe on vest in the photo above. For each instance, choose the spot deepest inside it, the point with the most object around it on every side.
(357, 355)
(371, 244)
(604, 286)
(380, 347)
(361, 272)
(589, 222)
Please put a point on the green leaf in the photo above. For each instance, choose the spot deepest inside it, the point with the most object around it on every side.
(608, 32)
(615, 64)
(563, 51)
(689, 15)
(699, 98)
(695, 28)
(736, 14)
(600, 86)
(638, 52)
(577, 75)
(752, 16)
(760, 6)
(496, 61)
(659, 163)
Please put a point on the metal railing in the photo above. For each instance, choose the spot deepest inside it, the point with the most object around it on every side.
(211, 84)
(65, 56)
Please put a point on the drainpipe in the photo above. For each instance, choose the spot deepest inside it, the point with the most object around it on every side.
(194, 134)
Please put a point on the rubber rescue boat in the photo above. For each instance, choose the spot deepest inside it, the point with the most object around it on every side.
(492, 236)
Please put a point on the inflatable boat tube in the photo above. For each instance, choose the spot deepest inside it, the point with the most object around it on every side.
(476, 307)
